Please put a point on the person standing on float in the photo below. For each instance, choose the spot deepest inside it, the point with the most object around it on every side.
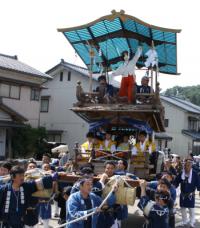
(127, 70)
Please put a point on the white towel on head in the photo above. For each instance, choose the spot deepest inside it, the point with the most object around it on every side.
(189, 177)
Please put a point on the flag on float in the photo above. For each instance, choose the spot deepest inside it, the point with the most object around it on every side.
(152, 58)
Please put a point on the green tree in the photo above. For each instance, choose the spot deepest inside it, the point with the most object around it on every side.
(191, 93)
(28, 142)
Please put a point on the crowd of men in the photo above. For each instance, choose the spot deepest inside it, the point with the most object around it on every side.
(157, 199)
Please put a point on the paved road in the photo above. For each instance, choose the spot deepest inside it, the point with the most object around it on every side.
(135, 219)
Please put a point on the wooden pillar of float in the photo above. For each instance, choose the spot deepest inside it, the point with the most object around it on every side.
(152, 84)
(91, 66)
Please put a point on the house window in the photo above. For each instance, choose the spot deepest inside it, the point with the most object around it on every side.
(14, 92)
(196, 147)
(44, 105)
(4, 90)
(166, 122)
(10, 91)
(69, 76)
(35, 94)
(193, 124)
(54, 138)
(61, 76)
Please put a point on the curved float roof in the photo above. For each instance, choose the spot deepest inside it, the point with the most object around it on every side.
(112, 34)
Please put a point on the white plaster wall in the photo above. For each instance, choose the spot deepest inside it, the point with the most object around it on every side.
(25, 106)
(178, 120)
(63, 95)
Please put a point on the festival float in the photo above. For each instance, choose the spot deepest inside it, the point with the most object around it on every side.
(149, 49)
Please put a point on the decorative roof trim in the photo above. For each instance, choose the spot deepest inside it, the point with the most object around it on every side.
(123, 17)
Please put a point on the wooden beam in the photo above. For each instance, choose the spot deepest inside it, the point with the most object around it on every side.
(125, 34)
(73, 178)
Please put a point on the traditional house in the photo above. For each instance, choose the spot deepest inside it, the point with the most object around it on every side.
(182, 124)
(20, 87)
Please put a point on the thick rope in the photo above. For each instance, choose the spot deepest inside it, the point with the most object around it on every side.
(126, 182)
(122, 178)
(90, 214)
(78, 219)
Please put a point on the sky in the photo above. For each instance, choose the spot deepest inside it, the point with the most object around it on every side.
(28, 29)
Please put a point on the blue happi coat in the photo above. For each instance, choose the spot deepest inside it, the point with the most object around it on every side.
(157, 217)
(96, 189)
(187, 196)
(11, 213)
(76, 208)
(105, 218)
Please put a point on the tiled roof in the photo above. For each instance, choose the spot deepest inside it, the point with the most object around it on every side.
(183, 104)
(195, 135)
(13, 64)
(77, 68)
(82, 70)
(162, 135)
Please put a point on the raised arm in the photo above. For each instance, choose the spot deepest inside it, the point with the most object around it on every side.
(118, 71)
(136, 56)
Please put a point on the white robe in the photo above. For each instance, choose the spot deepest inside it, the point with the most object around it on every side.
(128, 68)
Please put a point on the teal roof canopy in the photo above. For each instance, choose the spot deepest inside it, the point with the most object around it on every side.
(112, 34)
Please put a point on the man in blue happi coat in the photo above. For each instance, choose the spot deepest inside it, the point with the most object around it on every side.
(121, 211)
(5, 168)
(82, 203)
(97, 186)
(14, 197)
(163, 185)
(106, 217)
(156, 212)
(32, 212)
(189, 181)
(121, 170)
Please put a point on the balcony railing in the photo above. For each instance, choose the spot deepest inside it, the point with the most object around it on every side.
(101, 97)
